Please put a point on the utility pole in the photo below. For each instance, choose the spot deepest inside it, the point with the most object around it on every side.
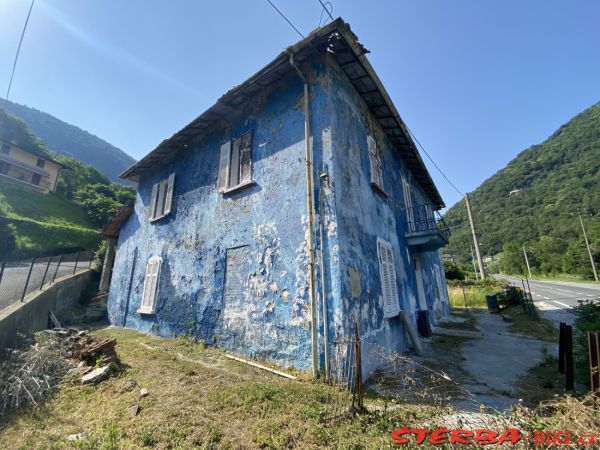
(527, 262)
(474, 267)
(475, 240)
(588, 248)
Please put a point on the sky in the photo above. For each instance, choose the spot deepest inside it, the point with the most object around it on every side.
(476, 81)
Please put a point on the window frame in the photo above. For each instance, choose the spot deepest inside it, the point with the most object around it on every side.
(376, 166)
(236, 154)
(41, 163)
(149, 307)
(161, 198)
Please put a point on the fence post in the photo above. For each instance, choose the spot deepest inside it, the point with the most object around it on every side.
(27, 281)
(358, 368)
(91, 260)
(76, 261)
(45, 273)
(570, 384)
(57, 267)
(2, 270)
(594, 354)
(561, 348)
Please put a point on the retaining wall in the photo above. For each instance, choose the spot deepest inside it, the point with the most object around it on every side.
(31, 315)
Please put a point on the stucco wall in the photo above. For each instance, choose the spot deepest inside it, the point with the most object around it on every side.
(32, 315)
(362, 216)
(273, 320)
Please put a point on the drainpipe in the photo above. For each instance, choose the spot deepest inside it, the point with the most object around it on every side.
(310, 204)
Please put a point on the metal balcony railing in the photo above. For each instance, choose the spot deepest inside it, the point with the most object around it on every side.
(422, 219)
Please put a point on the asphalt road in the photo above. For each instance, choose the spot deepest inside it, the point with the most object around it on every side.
(559, 295)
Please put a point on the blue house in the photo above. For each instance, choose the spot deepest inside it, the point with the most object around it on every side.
(293, 209)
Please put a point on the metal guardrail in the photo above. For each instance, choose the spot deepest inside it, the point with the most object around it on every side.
(423, 218)
(20, 278)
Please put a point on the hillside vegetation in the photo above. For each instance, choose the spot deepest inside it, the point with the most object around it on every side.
(36, 224)
(66, 139)
(555, 179)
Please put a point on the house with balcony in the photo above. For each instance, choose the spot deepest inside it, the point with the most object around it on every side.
(293, 210)
(28, 168)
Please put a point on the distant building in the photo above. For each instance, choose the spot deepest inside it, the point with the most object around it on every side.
(28, 168)
(220, 243)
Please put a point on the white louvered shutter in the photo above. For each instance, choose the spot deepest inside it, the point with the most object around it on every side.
(150, 292)
(246, 159)
(152, 206)
(169, 198)
(375, 160)
(387, 272)
(223, 181)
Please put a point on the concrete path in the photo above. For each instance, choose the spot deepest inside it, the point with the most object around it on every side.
(500, 358)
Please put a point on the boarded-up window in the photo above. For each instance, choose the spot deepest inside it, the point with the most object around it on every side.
(375, 160)
(387, 274)
(236, 275)
(235, 164)
(161, 199)
(150, 292)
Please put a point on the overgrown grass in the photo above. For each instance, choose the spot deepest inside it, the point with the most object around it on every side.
(537, 327)
(49, 221)
(198, 399)
(472, 294)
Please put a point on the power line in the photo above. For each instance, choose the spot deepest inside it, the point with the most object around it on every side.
(324, 5)
(19, 50)
(433, 162)
(285, 18)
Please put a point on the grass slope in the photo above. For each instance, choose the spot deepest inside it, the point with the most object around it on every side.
(49, 221)
(198, 399)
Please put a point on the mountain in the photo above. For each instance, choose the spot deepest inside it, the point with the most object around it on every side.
(66, 139)
(555, 180)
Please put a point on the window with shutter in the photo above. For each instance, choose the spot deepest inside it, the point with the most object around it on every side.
(235, 165)
(410, 213)
(150, 292)
(375, 160)
(161, 200)
(387, 273)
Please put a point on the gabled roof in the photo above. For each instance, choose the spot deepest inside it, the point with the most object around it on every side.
(337, 39)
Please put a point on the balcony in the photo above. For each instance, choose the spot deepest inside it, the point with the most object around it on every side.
(426, 229)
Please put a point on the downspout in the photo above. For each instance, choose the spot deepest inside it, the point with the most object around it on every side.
(310, 205)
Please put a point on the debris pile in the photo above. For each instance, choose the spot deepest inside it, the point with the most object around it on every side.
(30, 374)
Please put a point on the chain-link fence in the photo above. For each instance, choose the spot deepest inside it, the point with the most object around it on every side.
(20, 278)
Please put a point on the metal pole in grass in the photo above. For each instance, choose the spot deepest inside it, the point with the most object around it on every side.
(570, 384)
(2, 270)
(56, 270)
(76, 261)
(465, 297)
(27, 281)
(45, 273)
(561, 347)
(594, 358)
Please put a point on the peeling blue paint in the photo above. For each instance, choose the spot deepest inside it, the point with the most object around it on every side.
(273, 321)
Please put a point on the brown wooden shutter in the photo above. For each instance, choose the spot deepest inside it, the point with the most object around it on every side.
(152, 205)
(169, 198)
(375, 160)
(246, 158)
(223, 179)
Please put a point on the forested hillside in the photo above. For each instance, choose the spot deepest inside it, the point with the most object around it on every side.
(66, 139)
(555, 180)
(36, 224)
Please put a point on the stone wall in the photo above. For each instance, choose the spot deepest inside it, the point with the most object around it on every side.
(32, 314)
